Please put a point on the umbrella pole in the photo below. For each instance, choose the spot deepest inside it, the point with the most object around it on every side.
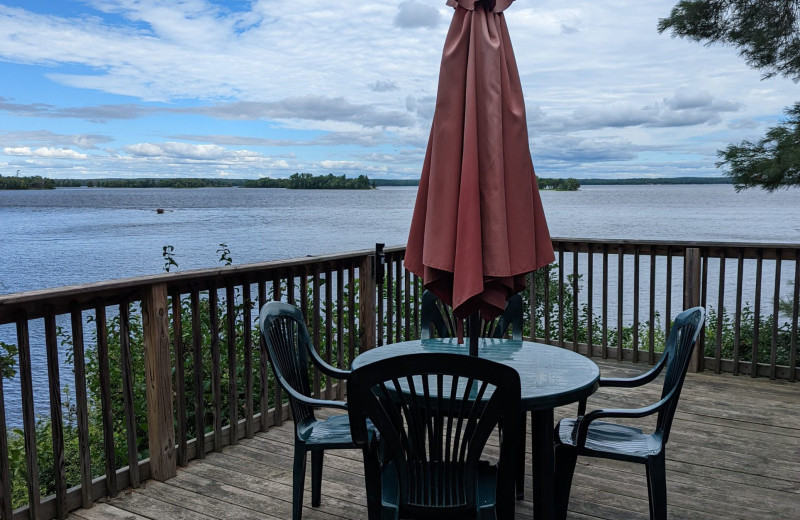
(474, 332)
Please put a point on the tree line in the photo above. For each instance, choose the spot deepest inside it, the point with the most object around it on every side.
(306, 181)
(558, 184)
(26, 183)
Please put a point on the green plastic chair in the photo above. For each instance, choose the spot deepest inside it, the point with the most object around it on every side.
(435, 413)
(288, 346)
(437, 319)
(586, 435)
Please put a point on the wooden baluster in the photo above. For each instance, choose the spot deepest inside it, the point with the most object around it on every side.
(795, 309)
(316, 333)
(636, 271)
(575, 298)
(756, 314)
(407, 305)
(547, 306)
(720, 314)
(620, 296)
(264, 369)
(691, 296)
(351, 314)
(105, 399)
(776, 300)
(651, 338)
(179, 348)
(158, 381)
(389, 300)
(589, 301)
(737, 326)
(701, 341)
(233, 387)
(398, 305)
(28, 415)
(127, 391)
(415, 309)
(605, 302)
(668, 291)
(328, 328)
(216, 379)
(561, 294)
(57, 428)
(248, 357)
(197, 350)
(81, 406)
(5, 473)
(290, 289)
(340, 327)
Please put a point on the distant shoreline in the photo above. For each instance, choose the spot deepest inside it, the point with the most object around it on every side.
(190, 182)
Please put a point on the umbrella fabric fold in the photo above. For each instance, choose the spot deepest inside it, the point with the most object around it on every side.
(478, 225)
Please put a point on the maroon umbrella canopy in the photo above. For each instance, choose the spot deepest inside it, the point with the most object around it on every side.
(478, 226)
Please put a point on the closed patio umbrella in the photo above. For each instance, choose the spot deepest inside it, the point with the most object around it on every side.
(478, 225)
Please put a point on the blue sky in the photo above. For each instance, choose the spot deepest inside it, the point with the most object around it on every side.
(246, 89)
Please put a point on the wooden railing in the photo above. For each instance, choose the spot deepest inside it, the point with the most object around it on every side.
(166, 368)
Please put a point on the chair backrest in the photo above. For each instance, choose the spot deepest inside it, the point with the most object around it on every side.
(435, 428)
(437, 319)
(285, 336)
(680, 345)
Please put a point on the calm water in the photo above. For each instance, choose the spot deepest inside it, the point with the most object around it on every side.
(72, 236)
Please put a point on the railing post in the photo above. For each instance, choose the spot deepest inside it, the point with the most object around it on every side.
(368, 273)
(158, 379)
(691, 298)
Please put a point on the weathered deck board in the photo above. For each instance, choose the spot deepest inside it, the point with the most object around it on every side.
(734, 453)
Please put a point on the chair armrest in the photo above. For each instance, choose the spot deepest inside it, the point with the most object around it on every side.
(325, 368)
(582, 428)
(632, 382)
(310, 401)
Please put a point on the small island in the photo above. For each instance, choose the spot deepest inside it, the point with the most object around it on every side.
(306, 181)
(26, 183)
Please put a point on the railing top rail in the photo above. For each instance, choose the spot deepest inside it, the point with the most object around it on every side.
(678, 244)
(58, 299)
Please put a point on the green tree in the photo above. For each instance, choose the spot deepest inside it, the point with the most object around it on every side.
(767, 35)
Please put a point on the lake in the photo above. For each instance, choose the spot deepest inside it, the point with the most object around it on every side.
(72, 236)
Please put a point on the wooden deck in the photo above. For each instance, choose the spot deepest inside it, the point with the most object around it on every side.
(721, 464)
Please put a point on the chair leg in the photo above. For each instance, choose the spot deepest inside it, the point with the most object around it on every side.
(657, 486)
(372, 479)
(299, 478)
(316, 477)
(566, 456)
(520, 478)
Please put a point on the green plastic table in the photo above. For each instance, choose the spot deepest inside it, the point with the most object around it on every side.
(550, 377)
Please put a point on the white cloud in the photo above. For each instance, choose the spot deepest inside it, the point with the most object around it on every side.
(415, 14)
(44, 152)
(204, 84)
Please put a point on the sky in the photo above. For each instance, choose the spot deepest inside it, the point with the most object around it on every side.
(266, 88)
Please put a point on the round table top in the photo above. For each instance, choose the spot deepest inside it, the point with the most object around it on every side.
(549, 376)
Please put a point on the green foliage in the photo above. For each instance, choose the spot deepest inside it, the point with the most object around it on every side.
(771, 163)
(547, 305)
(26, 183)
(558, 184)
(746, 333)
(168, 252)
(767, 35)
(306, 181)
(224, 254)
(655, 180)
